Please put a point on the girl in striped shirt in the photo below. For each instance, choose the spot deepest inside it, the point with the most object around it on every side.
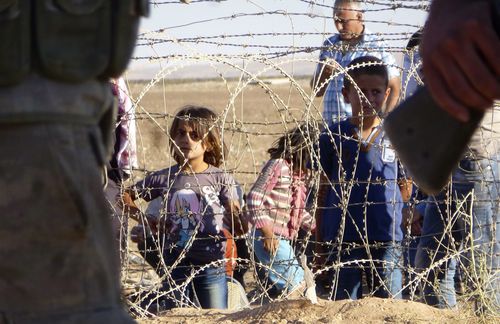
(276, 209)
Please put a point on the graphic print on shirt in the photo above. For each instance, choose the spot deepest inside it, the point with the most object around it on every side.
(186, 209)
(212, 199)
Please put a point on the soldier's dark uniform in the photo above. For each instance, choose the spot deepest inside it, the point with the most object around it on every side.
(57, 253)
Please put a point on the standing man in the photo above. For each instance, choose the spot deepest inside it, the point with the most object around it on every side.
(56, 117)
(352, 41)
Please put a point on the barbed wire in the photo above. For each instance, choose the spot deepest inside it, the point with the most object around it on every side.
(390, 5)
(267, 13)
(254, 110)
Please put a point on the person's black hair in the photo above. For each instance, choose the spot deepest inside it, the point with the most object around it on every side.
(415, 39)
(365, 65)
(295, 146)
(203, 121)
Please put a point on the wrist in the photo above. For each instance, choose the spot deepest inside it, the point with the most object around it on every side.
(267, 231)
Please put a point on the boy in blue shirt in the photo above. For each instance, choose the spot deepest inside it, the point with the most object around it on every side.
(362, 191)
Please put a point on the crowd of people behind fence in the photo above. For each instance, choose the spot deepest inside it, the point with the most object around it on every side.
(367, 229)
(301, 235)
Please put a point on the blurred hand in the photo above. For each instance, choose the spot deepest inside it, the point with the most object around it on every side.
(460, 56)
(153, 223)
(271, 244)
(416, 224)
(125, 201)
(329, 67)
(412, 220)
(138, 234)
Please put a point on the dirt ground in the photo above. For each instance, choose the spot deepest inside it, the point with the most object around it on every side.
(367, 310)
(254, 115)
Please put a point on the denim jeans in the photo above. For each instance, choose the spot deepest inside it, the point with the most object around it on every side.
(437, 246)
(409, 248)
(382, 267)
(467, 214)
(208, 286)
(284, 271)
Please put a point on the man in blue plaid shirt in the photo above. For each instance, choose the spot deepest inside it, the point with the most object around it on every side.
(353, 40)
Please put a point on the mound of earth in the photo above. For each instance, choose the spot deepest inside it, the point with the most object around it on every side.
(367, 310)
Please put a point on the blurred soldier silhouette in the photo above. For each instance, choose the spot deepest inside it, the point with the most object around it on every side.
(56, 115)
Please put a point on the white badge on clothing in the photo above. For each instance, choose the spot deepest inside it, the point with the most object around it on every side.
(388, 153)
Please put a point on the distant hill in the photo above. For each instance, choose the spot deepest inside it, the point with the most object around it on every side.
(300, 67)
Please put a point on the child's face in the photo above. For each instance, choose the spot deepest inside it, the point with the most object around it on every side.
(189, 143)
(375, 90)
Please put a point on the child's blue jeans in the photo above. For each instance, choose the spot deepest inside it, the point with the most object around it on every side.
(410, 244)
(467, 214)
(381, 263)
(284, 270)
(208, 284)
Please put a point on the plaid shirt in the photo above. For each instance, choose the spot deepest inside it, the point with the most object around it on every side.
(334, 107)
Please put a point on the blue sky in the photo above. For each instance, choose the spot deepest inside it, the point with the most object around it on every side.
(208, 21)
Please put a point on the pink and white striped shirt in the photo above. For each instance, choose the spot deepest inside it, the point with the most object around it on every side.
(278, 199)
